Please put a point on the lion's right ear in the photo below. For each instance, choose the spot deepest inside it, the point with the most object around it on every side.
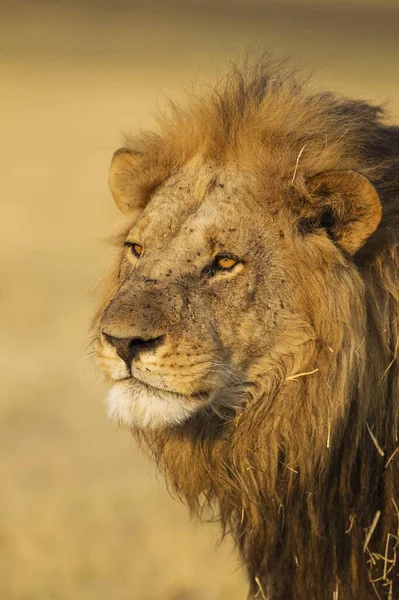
(124, 174)
(349, 205)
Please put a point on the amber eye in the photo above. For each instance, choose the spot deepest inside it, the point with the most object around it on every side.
(225, 262)
(136, 249)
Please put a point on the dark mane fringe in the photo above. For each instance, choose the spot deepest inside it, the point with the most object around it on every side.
(306, 477)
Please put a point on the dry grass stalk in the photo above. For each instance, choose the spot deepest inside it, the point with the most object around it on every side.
(375, 441)
(335, 594)
(294, 377)
(395, 355)
(397, 514)
(297, 163)
(386, 559)
(291, 469)
(258, 583)
(390, 597)
(395, 536)
(371, 530)
(351, 521)
(328, 433)
(392, 457)
(375, 590)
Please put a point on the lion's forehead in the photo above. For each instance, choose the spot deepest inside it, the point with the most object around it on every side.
(185, 217)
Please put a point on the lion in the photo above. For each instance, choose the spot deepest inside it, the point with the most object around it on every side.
(250, 328)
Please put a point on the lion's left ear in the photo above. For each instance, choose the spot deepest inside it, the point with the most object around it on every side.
(124, 175)
(350, 205)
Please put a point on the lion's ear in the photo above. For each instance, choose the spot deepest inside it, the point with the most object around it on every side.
(348, 204)
(123, 175)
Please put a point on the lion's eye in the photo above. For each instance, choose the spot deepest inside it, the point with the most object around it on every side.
(225, 262)
(136, 249)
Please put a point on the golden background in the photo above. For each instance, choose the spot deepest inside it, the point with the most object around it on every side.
(82, 514)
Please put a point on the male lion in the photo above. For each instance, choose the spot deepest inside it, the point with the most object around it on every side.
(250, 331)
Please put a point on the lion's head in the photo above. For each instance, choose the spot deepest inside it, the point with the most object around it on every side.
(237, 328)
(224, 272)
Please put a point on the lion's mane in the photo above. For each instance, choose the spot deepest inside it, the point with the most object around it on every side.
(312, 507)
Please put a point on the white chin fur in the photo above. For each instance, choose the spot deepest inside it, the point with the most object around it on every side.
(133, 404)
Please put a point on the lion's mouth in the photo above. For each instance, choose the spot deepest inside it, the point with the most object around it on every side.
(202, 395)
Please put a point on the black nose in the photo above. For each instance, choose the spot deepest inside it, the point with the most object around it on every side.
(129, 348)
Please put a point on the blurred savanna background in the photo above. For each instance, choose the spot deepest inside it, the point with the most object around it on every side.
(83, 515)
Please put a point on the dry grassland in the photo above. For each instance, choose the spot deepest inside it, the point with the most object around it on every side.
(82, 515)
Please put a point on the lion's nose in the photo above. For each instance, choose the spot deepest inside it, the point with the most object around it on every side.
(129, 348)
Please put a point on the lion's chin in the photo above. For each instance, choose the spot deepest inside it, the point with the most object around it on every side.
(136, 404)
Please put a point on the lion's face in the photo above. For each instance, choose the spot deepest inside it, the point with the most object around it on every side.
(210, 294)
(199, 273)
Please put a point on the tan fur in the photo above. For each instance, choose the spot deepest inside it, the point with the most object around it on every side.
(272, 394)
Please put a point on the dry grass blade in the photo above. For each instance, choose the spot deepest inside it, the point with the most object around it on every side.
(395, 355)
(328, 432)
(375, 441)
(390, 596)
(371, 530)
(297, 163)
(387, 560)
(292, 469)
(258, 583)
(394, 453)
(375, 590)
(351, 521)
(335, 594)
(294, 377)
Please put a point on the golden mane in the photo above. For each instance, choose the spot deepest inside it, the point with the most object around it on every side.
(258, 113)
(310, 496)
